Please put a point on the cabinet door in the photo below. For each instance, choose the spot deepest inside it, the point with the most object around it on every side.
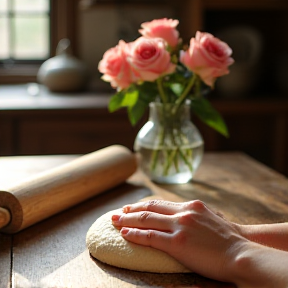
(6, 132)
(69, 135)
(262, 136)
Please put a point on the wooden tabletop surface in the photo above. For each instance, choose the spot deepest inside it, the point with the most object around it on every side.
(53, 253)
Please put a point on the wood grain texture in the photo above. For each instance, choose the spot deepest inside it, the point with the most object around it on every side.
(5, 260)
(53, 253)
(34, 199)
(54, 247)
(244, 190)
(14, 170)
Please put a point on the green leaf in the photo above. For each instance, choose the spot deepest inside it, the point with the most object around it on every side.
(206, 113)
(146, 95)
(124, 98)
(147, 91)
(136, 99)
(130, 99)
(177, 88)
(136, 112)
(115, 102)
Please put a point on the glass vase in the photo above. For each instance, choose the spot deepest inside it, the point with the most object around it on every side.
(169, 146)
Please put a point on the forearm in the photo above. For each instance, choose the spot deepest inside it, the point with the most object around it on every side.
(260, 266)
(272, 235)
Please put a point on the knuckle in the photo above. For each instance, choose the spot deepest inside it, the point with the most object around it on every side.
(145, 237)
(150, 237)
(152, 203)
(143, 216)
(150, 234)
(196, 205)
(220, 214)
(186, 219)
(136, 233)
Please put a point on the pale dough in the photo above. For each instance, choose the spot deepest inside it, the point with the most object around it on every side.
(107, 245)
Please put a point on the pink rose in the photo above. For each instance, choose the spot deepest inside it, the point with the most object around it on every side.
(150, 59)
(161, 28)
(115, 67)
(207, 57)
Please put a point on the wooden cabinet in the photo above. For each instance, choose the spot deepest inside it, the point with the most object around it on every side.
(73, 132)
(52, 124)
(61, 125)
(6, 136)
(258, 128)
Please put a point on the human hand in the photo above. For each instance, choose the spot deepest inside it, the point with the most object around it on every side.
(190, 232)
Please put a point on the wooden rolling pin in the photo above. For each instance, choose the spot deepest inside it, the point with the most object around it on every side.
(64, 186)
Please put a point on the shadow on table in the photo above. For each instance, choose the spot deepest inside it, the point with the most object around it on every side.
(145, 279)
(241, 203)
(56, 241)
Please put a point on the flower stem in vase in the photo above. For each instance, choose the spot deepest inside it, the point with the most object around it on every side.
(173, 155)
(186, 161)
(169, 161)
(156, 151)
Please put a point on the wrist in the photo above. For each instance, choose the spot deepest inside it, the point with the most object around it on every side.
(242, 268)
(272, 235)
(258, 266)
(250, 232)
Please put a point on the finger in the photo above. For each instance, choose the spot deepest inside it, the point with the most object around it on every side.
(151, 238)
(144, 219)
(158, 206)
(221, 215)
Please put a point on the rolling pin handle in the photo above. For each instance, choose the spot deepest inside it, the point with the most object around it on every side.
(5, 217)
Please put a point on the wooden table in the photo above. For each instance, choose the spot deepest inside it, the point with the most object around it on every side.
(53, 253)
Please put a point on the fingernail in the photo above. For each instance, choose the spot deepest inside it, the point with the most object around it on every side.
(124, 231)
(126, 208)
(115, 218)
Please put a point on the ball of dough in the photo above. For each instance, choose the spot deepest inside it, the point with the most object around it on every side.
(106, 244)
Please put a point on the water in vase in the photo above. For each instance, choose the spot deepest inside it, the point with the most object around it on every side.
(170, 165)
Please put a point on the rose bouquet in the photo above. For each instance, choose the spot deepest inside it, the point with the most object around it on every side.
(157, 67)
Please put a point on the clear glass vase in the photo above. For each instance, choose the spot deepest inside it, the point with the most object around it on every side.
(169, 146)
